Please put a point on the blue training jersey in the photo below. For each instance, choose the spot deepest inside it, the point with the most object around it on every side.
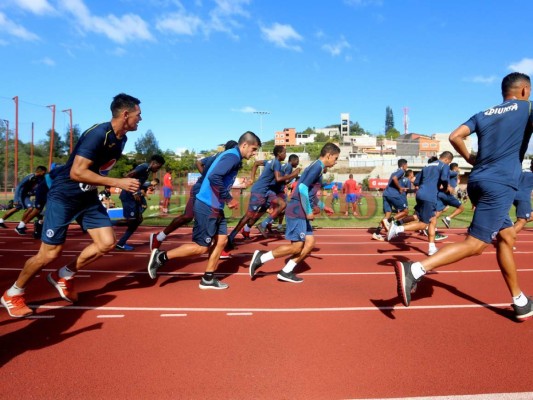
(454, 179)
(301, 199)
(27, 186)
(525, 186)
(98, 144)
(216, 186)
(206, 162)
(286, 169)
(503, 136)
(430, 179)
(267, 179)
(391, 189)
(142, 171)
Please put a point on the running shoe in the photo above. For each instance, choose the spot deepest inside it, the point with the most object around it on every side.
(37, 230)
(124, 247)
(280, 228)
(212, 284)
(256, 263)
(64, 286)
(432, 251)
(263, 231)
(289, 277)
(16, 306)
(154, 243)
(377, 236)
(154, 263)
(245, 235)
(20, 231)
(224, 255)
(447, 221)
(393, 232)
(521, 313)
(440, 236)
(425, 232)
(386, 224)
(405, 280)
(2, 225)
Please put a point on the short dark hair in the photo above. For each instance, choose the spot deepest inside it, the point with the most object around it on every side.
(230, 144)
(402, 162)
(511, 80)
(453, 165)
(156, 180)
(123, 101)
(330, 148)
(408, 172)
(432, 159)
(158, 158)
(446, 154)
(41, 168)
(293, 157)
(250, 138)
(278, 149)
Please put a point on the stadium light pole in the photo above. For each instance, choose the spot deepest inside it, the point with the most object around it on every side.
(261, 113)
(69, 112)
(7, 154)
(16, 100)
(52, 134)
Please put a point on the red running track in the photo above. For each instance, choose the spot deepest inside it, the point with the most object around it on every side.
(340, 334)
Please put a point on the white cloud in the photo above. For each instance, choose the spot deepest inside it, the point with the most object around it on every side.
(486, 80)
(336, 49)
(281, 35)
(180, 24)
(246, 109)
(47, 61)
(362, 3)
(35, 6)
(13, 29)
(129, 27)
(525, 66)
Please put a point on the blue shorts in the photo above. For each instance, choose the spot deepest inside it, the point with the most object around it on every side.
(447, 199)
(41, 196)
(390, 203)
(61, 211)
(493, 202)
(523, 208)
(297, 229)
(131, 209)
(261, 201)
(167, 192)
(22, 203)
(425, 210)
(351, 198)
(208, 223)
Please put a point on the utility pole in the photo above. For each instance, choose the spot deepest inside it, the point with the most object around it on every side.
(69, 112)
(52, 134)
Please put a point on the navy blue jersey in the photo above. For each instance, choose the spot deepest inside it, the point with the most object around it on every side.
(430, 179)
(286, 169)
(27, 186)
(98, 144)
(302, 194)
(267, 180)
(525, 186)
(216, 186)
(406, 183)
(142, 171)
(454, 178)
(503, 135)
(391, 189)
(206, 163)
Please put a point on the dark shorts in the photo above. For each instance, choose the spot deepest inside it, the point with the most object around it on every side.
(131, 209)
(167, 192)
(297, 229)
(261, 201)
(493, 202)
(523, 208)
(425, 210)
(61, 211)
(390, 203)
(208, 223)
(351, 198)
(22, 203)
(41, 196)
(447, 199)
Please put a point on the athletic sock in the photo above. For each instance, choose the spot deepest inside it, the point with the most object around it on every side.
(208, 276)
(289, 266)
(520, 300)
(400, 229)
(1, 220)
(21, 225)
(267, 257)
(247, 228)
(66, 273)
(161, 236)
(432, 246)
(15, 291)
(417, 270)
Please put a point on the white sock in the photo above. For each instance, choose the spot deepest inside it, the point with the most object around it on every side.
(66, 273)
(1, 220)
(417, 270)
(247, 228)
(289, 266)
(400, 228)
(432, 246)
(21, 225)
(267, 257)
(520, 300)
(448, 218)
(15, 291)
(161, 236)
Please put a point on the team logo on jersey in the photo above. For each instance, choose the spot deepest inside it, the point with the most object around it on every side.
(208, 240)
(108, 166)
(493, 236)
(528, 215)
(302, 235)
(50, 233)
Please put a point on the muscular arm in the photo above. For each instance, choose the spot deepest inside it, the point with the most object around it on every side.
(457, 139)
(257, 164)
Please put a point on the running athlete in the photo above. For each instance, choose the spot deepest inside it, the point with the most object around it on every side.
(74, 194)
(448, 198)
(132, 203)
(522, 200)
(210, 225)
(503, 134)
(298, 214)
(286, 169)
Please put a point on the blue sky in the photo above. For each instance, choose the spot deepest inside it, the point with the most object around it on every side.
(201, 68)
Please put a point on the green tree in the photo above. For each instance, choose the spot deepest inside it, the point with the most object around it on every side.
(321, 137)
(146, 146)
(76, 134)
(392, 133)
(389, 119)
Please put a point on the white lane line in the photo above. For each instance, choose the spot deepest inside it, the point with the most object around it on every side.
(173, 315)
(272, 310)
(110, 316)
(236, 314)
(486, 396)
